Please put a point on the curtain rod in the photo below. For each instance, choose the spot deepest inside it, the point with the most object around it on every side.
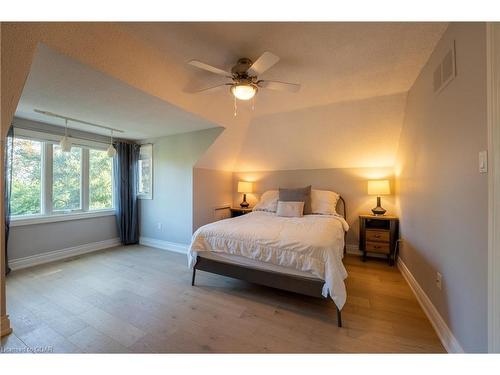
(47, 113)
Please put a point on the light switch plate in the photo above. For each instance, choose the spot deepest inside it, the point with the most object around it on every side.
(483, 161)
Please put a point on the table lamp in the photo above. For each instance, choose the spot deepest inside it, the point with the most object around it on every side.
(378, 188)
(245, 187)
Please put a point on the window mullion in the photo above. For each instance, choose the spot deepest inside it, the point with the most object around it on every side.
(47, 176)
(85, 179)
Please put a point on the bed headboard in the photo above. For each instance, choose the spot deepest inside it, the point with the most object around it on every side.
(341, 207)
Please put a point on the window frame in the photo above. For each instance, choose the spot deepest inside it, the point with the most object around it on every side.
(83, 178)
(42, 180)
(48, 214)
(151, 184)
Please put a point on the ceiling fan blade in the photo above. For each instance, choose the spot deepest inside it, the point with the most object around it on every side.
(279, 86)
(211, 88)
(210, 68)
(263, 63)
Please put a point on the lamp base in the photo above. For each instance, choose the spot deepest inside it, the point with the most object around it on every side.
(244, 204)
(379, 210)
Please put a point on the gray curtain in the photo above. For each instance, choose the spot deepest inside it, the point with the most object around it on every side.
(125, 172)
(9, 149)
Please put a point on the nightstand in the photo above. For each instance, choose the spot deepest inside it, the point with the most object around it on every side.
(238, 211)
(378, 235)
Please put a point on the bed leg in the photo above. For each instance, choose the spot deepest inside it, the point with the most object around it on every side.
(194, 275)
(339, 318)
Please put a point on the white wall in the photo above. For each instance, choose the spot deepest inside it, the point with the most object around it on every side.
(172, 204)
(443, 198)
(211, 189)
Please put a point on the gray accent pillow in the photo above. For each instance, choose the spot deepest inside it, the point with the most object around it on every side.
(297, 195)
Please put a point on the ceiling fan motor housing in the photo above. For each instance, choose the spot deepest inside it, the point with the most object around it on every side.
(242, 66)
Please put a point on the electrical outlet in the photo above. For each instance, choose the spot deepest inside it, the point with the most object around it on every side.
(439, 280)
(159, 226)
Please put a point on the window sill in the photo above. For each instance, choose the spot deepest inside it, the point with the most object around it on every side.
(33, 220)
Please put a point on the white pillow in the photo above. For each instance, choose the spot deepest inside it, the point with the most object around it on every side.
(324, 202)
(290, 209)
(268, 201)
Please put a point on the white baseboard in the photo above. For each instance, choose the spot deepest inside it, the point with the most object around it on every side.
(51, 256)
(164, 245)
(447, 338)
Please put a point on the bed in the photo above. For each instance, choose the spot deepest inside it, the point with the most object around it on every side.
(301, 255)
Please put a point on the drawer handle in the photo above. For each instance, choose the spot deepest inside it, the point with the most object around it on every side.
(377, 236)
(377, 247)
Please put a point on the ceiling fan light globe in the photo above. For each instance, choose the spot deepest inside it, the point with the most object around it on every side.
(243, 91)
(65, 144)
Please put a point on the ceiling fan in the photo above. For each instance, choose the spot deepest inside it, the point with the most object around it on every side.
(244, 75)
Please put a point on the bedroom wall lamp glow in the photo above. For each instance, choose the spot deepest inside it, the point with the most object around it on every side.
(245, 187)
(378, 188)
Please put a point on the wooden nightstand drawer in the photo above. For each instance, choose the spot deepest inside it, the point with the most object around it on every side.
(377, 235)
(378, 247)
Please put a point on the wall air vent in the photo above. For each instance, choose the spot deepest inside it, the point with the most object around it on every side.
(446, 71)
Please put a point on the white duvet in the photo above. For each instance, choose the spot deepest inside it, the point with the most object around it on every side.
(312, 243)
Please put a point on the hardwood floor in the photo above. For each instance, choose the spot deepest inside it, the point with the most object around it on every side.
(139, 299)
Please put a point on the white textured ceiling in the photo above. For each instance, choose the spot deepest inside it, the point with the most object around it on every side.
(333, 61)
(348, 113)
(59, 84)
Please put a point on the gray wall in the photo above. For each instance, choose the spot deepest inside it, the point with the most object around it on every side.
(211, 189)
(442, 196)
(172, 204)
(37, 239)
(350, 183)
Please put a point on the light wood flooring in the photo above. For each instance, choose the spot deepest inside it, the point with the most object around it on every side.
(139, 299)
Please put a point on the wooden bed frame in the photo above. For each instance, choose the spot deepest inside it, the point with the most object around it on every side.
(292, 283)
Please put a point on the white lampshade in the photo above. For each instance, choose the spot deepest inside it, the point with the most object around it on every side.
(65, 144)
(244, 91)
(111, 151)
(245, 187)
(379, 187)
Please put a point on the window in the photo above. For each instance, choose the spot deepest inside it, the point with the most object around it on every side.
(26, 193)
(100, 180)
(48, 182)
(145, 170)
(67, 179)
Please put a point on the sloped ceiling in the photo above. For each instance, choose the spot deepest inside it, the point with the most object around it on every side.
(59, 84)
(349, 112)
(352, 134)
